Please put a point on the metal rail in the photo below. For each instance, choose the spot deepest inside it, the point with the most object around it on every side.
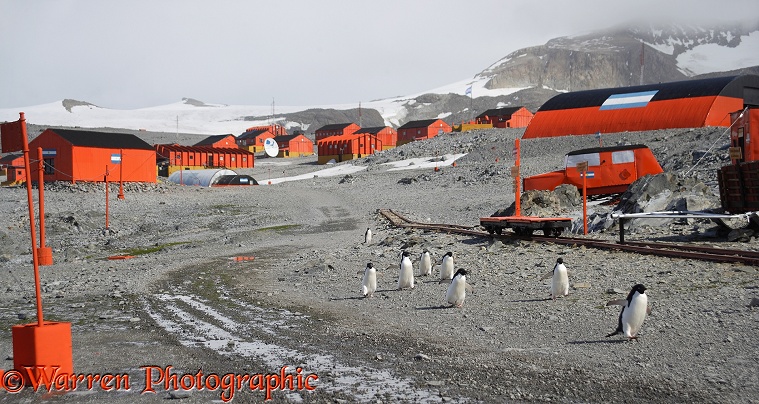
(658, 249)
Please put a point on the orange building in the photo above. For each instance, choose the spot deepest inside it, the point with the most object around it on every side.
(347, 147)
(680, 104)
(173, 157)
(420, 130)
(13, 167)
(78, 155)
(335, 129)
(387, 135)
(276, 130)
(513, 117)
(218, 141)
(294, 145)
(253, 139)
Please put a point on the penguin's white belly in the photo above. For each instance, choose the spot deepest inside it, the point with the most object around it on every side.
(446, 270)
(456, 291)
(426, 265)
(406, 276)
(369, 283)
(634, 315)
(560, 284)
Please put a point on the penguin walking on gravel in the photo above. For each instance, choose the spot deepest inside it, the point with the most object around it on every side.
(634, 310)
(425, 264)
(446, 268)
(456, 292)
(560, 279)
(369, 282)
(368, 236)
(406, 275)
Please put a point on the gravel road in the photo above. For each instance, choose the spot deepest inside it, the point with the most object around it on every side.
(184, 301)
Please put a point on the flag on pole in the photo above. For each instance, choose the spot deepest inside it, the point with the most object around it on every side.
(12, 136)
(468, 90)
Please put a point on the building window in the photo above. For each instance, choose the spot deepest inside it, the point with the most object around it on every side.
(49, 166)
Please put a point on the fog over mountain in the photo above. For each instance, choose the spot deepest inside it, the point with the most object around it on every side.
(618, 57)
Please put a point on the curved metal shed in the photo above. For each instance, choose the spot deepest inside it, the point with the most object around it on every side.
(203, 178)
(681, 104)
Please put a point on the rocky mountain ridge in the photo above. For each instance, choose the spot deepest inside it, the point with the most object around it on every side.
(618, 57)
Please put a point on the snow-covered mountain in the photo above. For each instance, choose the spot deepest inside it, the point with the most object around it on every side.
(612, 58)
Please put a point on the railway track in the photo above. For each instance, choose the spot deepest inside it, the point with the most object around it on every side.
(658, 249)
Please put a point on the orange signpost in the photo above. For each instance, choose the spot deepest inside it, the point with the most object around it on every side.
(583, 167)
(45, 253)
(121, 174)
(517, 184)
(105, 179)
(41, 346)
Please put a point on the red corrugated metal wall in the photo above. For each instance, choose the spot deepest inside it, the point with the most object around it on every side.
(674, 113)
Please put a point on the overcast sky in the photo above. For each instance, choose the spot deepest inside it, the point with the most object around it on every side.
(128, 54)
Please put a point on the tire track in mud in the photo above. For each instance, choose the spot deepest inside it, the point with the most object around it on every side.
(234, 328)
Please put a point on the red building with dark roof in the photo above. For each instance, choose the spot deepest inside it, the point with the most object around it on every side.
(294, 145)
(172, 157)
(420, 130)
(386, 135)
(511, 117)
(680, 104)
(77, 155)
(253, 139)
(218, 141)
(335, 129)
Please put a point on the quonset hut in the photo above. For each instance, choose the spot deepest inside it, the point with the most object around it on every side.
(680, 104)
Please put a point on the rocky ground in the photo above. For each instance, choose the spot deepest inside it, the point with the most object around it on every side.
(183, 301)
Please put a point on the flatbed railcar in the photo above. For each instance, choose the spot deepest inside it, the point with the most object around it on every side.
(526, 225)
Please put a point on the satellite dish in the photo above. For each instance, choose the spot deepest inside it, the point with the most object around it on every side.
(270, 147)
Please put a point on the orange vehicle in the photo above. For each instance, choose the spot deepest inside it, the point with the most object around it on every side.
(610, 170)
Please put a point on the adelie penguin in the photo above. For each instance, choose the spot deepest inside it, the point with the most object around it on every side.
(369, 282)
(425, 264)
(634, 311)
(368, 236)
(457, 289)
(560, 279)
(406, 274)
(446, 268)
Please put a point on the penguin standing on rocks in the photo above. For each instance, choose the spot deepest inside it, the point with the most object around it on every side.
(406, 275)
(368, 236)
(369, 282)
(446, 269)
(456, 292)
(634, 310)
(425, 264)
(560, 279)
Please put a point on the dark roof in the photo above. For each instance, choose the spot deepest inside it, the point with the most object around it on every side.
(7, 159)
(374, 130)
(102, 139)
(211, 140)
(729, 86)
(252, 133)
(607, 149)
(335, 126)
(418, 124)
(500, 112)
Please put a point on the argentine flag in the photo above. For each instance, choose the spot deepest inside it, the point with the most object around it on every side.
(629, 100)
(468, 90)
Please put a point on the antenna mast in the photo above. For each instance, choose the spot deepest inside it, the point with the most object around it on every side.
(642, 48)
